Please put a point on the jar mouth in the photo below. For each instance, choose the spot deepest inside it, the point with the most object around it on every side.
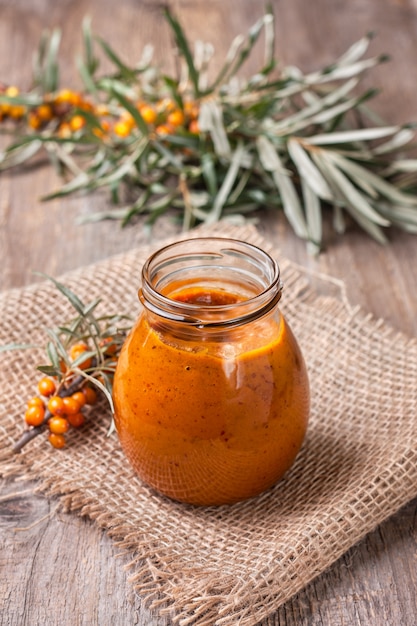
(208, 263)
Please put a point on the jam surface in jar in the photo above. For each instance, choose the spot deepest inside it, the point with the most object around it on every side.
(211, 417)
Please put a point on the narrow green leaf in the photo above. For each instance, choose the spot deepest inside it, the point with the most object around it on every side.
(404, 136)
(211, 120)
(56, 347)
(170, 156)
(49, 370)
(367, 224)
(89, 308)
(290, 200)
(134, 112)
(399, 214)
(313, 216)
(125, 165)
(377, 182)
(86, 77)
(269, 57)
(239, 188)
(99, 385)
(20, 154)
(362, 134)
(227, 185)
(245, 51)
(39, 58)
(53, 355)
(51, 71)
(88, 354)
(404, 165)
(307, 169)
(184, 49)
(329, 114)
(339, 223)
(126, 71)
(317, 105)
(355, 52)
(74, 300)
(77, 183)
(209, 173)
(354, 199)
(344, 72)
(18, 346)
(91, 61)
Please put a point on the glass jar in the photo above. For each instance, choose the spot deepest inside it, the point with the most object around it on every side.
(211, 391)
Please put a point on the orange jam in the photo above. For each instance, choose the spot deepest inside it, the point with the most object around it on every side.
(210, 412)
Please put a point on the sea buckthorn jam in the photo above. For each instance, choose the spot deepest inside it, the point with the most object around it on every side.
(211, 391)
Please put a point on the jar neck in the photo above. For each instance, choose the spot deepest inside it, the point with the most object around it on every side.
(210, 282)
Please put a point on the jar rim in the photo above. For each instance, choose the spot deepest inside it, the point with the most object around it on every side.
(259, 266)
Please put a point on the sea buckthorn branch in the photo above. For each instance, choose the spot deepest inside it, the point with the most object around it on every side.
(206, 148)
(82, 356)
(36, 430)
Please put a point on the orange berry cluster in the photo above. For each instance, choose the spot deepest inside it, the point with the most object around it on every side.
(63, 108)
(59, 107)
(14, 111)
(61, 411)
(164, 118)
(57, 410)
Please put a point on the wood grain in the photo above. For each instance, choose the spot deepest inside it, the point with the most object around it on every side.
(61, 569)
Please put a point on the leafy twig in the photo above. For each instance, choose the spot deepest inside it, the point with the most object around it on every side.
(301, 142)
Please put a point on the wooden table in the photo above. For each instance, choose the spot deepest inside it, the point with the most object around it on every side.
(60, 569)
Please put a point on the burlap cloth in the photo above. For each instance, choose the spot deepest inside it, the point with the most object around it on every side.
(233, 564)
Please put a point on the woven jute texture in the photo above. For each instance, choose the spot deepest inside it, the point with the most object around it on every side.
(232, 564)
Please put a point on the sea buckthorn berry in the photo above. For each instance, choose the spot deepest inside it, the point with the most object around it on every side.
(76, 420)
(44, 112)
(64, 95)
(17, 111)
(191, 110)
(164, 129)
(83, 104)
(109, 346)
(122, 129)
(36, 401)
(71, 404)
(64, 130)
(56, 405)
(12, 91)
(77, 100)
(102, 130)
(57, 441)
(63, 366)
(77, 122)
(127, 117)
(58, 425)
(34, 121)
(34, 415)
(90, 395)
(76, 351)
(46, 386)
(79, 397)
(148, 113)
(176, 118)
(194, 127)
